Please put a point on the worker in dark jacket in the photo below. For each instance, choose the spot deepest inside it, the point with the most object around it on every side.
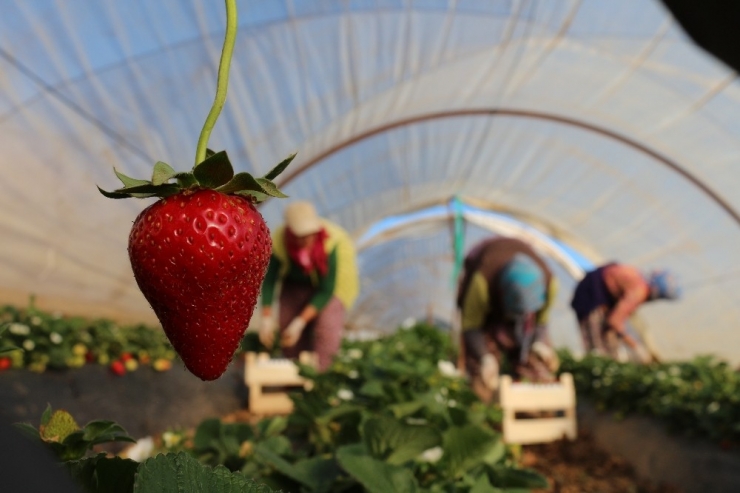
(607, 296)
(504, 298)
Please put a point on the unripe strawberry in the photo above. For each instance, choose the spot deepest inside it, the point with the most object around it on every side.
(162, 364)
(199, 255)
(79, 349)
(131, 365)
(143, 357)
(17, 359)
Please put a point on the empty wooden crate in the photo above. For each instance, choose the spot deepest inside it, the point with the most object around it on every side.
(269, 380)
(537, 413)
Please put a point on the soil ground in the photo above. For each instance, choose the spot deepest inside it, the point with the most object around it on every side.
(581, 466)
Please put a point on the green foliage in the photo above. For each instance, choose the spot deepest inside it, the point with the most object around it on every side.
(221, 443)
(176, 473)
(44, 340)
(382, 418)
(101, 474)
(5, 345)
(396, 442)
(251, 343)
(67, 440)
(699, 398)
(375, 475)
(214, 172)
(181, 473)
(170, 473)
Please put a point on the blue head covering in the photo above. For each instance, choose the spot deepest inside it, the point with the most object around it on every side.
(522, 285)
(663, 285)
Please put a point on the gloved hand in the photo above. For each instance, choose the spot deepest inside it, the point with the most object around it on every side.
(489, 371)
(547, 355)
(643, 355)
(292, 332)
(267, 331)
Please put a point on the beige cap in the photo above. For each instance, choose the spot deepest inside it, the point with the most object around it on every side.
(302, 219)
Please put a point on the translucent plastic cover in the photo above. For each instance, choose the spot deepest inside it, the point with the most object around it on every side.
(597, 122)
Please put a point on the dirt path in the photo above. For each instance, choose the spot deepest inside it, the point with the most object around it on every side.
(581, 467)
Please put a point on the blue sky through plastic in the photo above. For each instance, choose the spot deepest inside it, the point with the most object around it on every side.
(435, 211)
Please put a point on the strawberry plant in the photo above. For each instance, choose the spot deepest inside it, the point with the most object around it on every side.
(38, 340)
(6, 347)
(67, 439)
(385, 417)
(199, 254)
(173, 472)
(699, 398)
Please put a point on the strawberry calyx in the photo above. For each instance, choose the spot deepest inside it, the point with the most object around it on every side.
(215, 173)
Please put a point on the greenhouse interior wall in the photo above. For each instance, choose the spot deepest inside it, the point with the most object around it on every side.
(596, 130)
(601, 124)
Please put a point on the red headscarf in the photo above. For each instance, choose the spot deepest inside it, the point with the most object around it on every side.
(310, 258)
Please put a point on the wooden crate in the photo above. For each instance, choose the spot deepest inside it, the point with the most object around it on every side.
(262, 372)
(535, 399)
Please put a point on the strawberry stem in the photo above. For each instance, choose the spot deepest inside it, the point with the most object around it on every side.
(222, 84)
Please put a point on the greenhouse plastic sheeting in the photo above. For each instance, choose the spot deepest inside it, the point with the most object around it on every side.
(597, 122)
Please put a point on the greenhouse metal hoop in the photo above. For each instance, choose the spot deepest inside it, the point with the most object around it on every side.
(493, 112)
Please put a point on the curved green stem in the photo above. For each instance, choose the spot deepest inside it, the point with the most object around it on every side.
(223, 82)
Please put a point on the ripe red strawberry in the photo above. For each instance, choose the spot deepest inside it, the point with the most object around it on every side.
(125, 357)
(199, 258)
(5, 363)
(199, 255)
(117, 368)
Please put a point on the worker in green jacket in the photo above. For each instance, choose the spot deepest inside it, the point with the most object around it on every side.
(314, 261)
(504, 298)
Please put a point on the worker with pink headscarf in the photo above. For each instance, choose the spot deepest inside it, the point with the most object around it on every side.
(314, 268)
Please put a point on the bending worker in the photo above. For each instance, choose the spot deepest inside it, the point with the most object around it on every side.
(316, 263)
(607, 296)
(504, 297)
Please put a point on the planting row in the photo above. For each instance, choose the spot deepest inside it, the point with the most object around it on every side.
(51, 341)
(698, 398)
(390, 415)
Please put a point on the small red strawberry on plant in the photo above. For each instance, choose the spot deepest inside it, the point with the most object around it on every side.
(200, 253)
(117, 368)
(5, 363)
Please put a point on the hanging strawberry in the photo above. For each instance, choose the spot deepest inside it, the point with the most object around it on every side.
(200, 253)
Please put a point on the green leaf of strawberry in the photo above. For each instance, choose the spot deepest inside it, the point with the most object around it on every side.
(241, 182)
(162, 173)
(270, 188)
(214, 171)
(123, 195)
(128, 181)
(274, 172)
